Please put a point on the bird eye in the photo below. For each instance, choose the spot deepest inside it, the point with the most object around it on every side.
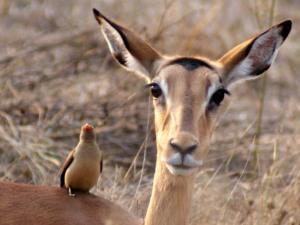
(155, 90)
(217, 98)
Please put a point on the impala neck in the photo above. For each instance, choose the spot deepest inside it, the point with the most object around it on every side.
(171, 198)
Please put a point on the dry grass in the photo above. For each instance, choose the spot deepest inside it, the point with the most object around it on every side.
(56, 73)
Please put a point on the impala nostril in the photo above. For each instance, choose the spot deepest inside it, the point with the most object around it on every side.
(174, 145)
(182, 149)
(191, 149)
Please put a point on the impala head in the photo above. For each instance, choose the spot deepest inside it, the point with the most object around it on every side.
(188, 91)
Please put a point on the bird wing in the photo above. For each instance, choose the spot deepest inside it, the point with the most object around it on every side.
(65, 166)
(101, 164)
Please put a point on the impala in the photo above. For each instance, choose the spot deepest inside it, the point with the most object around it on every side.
(187, 95)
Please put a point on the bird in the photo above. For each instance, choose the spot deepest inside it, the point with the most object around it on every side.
(83, 165)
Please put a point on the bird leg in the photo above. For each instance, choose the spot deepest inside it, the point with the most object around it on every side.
(70, 193)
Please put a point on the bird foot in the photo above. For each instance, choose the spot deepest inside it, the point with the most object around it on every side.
(70, 193)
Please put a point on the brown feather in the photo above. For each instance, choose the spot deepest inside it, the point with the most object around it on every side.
(101, 165)
(65, 166)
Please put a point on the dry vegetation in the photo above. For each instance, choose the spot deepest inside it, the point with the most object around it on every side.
(56, 74)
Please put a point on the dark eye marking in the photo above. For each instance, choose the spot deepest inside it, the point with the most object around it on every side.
(217, 98)
(155, 90)
(190, 63)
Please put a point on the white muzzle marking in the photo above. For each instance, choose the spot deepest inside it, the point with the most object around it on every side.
(179, 165)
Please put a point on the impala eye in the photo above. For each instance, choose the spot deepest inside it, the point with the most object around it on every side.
(217, 98)
(155, 90)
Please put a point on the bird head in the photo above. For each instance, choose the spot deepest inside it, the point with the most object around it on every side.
(87, 133)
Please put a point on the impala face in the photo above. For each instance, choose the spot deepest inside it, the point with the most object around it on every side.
(188, 91)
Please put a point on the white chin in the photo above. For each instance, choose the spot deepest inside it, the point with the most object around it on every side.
(177, 171)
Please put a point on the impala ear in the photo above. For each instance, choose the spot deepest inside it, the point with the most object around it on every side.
(252, 57)
(127, 48)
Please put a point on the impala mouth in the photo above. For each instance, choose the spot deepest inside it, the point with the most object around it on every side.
(180, 170)
(182, 166)
(179, 165)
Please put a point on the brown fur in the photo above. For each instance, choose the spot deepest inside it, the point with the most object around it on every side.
(170, 200)
(133, 43)
(33, 204)
(171, 195)
(238, 53)
(235, 55)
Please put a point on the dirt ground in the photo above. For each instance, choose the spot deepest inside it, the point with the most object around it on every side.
(56, 73)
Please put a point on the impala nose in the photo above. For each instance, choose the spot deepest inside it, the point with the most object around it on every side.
(184, 143)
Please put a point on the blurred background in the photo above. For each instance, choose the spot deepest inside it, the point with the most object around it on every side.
(56, 74)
